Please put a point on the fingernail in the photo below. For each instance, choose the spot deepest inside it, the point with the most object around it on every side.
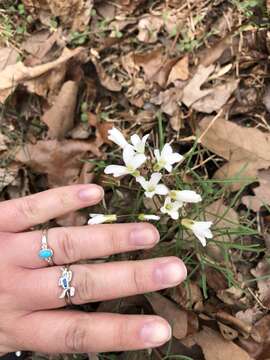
(143, 235)
(156, 332)
(170, 273)
(91, 193)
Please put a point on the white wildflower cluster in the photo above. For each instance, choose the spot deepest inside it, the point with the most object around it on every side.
(134, 158)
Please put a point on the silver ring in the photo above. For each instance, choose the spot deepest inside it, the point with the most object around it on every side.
(65, 283)
(45, 253)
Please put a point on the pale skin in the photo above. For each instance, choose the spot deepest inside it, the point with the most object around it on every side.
(32, 315)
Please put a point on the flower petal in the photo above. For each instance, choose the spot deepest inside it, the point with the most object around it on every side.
(149, 194)
(157, 154)
(117, 137)
(162, 189)
(168, 167)
(116, 170)
(188, 196)
(175, 158)
(155, 179)
(174, 215)
(135, 140)
(128, 154)
(166, 151)
(138, 160)
(141, 180)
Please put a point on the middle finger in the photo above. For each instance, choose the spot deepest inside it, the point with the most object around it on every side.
(97, 282)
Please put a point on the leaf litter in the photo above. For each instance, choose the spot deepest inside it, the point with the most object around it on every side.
(183, 70)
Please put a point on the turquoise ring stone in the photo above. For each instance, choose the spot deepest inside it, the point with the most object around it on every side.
(45, 254)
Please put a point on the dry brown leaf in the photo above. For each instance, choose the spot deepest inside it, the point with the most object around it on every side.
(183, 322)
(106, 80)
(60, 117)
(207, 100)
(266, 99)
(18, 73)
(61, 160)
(7, 176)
(218, 97)
(210, 55)
(192, 92)
(261, 272)
(262, 192)
(215, 347)
(180, 70)
(39, 47)
(149, 28)
(75, 13)
(243, 146)
(8, 56)
(242, 173)
(155, 65)
(224, 218)
(4, 140)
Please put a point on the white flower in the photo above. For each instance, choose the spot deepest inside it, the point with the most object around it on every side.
(183, 196)
(146, 217)
(117, 137)
(201, 229)
(166, 158)
(138, 143)
(171, 208)
(100, 219)
(132, 161)
(152, 186)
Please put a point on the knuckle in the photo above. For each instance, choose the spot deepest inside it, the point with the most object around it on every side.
(64, 200)
(28, 208)
(121, 335)
(86, 287)
(137, 280)
(67, 247)
(114, 241)
(76, 337)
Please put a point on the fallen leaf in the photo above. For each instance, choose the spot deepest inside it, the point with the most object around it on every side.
(39, 46)
(60, 160)
(266, 98)
(261, 272)
(149, 28)
(75, 14)
(106, 80)
(215, 99)
(183, 322)
(207, 100)
(180, 71)
(210, 55)
(223, 217)
(8, 56)
(246, 149)
(60, 117)
(156, 66)
(4, 140)
(18, 73)
(192, 91)
(262, 192)
(7, 176)
(215, 347)
(239, 172)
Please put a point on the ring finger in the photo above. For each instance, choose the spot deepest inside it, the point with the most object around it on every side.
(96, 282)
(72, 244)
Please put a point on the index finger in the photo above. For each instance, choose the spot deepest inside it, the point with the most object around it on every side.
(21, 214)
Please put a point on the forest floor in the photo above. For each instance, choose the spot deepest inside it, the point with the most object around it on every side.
(194, 73)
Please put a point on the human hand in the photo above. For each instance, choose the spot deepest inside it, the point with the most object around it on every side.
(31, 311)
